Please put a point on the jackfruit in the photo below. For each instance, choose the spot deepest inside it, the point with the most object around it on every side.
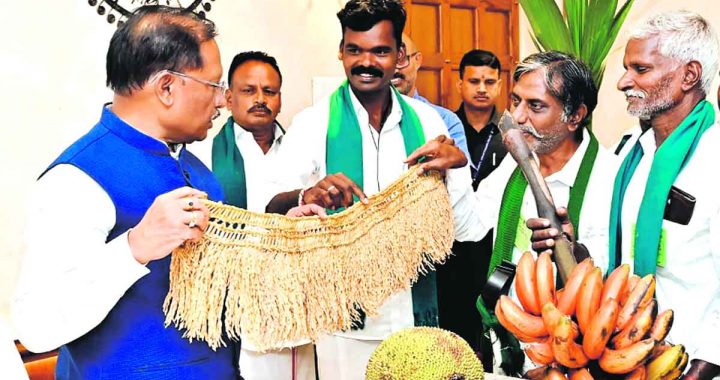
(424, 353)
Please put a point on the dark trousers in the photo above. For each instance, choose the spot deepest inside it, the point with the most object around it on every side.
(459, 283)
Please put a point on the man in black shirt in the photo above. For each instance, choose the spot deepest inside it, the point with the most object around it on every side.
(463, 276)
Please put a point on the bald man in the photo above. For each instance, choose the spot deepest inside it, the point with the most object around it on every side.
(405, 81)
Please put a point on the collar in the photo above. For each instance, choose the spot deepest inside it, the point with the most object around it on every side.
(132, 136)
(647, 141)
(495, 118)
(419, 97)
(569, 172)
(241, 132)
(493, 122)
(393, 118)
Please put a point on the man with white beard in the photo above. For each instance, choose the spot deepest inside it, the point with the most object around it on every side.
(665, 216)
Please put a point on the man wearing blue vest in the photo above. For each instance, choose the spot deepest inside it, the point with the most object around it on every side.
(107, 213)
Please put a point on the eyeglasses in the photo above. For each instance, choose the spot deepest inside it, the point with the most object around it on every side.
(219, 87)
(405, 60)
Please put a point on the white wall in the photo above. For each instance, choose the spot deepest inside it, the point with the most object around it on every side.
(52, 75)
(610, 118)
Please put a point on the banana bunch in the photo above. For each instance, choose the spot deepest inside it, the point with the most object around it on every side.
(590, 328)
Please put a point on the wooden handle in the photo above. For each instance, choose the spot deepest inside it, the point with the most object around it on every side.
(518, 148)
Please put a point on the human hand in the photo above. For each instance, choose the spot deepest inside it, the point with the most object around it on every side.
(307, 210)
(334, 191)
(440, 154)
(172, 219)
(701, 370)
(543, 235)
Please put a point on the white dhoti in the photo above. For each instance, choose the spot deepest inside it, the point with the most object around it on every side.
(341, 358)
(295, 363)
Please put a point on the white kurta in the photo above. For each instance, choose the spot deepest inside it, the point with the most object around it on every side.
(302, 158)
(69, 211)
(594, 215)
(297, 360)
(258, 165)
(689, 283)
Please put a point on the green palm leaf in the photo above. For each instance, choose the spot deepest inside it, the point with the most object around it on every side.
(548, 24)
(586, 29)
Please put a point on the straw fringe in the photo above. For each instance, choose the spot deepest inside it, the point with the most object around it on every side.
(280, 279)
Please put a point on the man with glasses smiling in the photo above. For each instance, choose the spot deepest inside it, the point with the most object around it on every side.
(107, 213)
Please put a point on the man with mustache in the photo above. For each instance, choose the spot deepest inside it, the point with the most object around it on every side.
(665, 216)
(552, 100)
(404, 80)
(666, 210)
(357, 142)
(242, 160)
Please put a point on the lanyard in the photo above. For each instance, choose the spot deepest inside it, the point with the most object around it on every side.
(476, 178)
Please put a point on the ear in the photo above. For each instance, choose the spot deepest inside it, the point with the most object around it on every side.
(575, 119)
(340, 50)
(459, 86)
(691, 76)
(228, 98)
(402, 52)
(418, 56)
(163, 88)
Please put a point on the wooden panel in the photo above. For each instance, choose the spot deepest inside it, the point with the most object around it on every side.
(462, 30)
(444, 30)
(454, 98)
(429, 84)
(503, 99)
(425, 26)
(494, 26)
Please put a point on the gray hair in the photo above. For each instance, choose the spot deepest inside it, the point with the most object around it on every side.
(567, 78)
(686, 37)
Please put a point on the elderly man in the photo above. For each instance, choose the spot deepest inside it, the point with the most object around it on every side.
(553, 97)
(666, 212)
(405, 79)
(356, 142)
(242, 160)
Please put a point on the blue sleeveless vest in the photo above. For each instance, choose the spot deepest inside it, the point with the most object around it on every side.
(132, 342)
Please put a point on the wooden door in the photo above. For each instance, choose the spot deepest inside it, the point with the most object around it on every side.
(444, 30)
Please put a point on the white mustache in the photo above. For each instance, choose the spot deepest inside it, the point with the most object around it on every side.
(532, 131)
(635, 93)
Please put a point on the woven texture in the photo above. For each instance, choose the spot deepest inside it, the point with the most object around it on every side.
(279, 279)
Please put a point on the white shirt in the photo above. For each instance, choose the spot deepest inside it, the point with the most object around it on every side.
(258, 165)
(595, 212)
(70, 277)
(690, 282)
(303, 158)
